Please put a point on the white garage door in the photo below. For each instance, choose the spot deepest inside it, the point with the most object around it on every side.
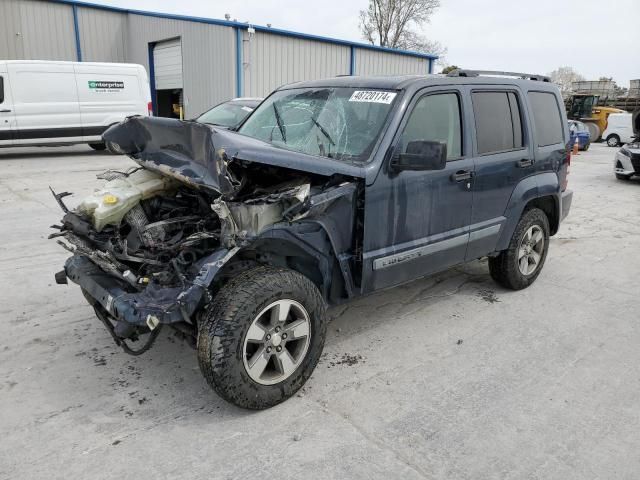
(167, 64)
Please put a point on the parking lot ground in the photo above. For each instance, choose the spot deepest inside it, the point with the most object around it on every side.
(447, 377)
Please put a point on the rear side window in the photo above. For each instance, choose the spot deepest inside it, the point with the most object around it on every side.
(1, 89)
(435, 118)
(547, 118)
(498, 121)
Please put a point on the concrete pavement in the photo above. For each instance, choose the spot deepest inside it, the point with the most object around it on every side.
(447, 377)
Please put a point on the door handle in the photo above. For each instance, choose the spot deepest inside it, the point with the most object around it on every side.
(461, 175)
(525, 162)
(5, 111)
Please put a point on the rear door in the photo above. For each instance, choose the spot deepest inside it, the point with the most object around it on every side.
(45, 102)
(7, 118)
(503, 157)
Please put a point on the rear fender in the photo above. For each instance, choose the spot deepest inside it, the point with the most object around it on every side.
(527, 191)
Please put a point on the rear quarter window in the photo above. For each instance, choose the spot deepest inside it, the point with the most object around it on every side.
(547, 118)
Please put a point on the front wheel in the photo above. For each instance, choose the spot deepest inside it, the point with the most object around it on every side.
(519, 265)
(262, 336)
(620, 176)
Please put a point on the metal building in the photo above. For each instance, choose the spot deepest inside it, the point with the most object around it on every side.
(197, 61)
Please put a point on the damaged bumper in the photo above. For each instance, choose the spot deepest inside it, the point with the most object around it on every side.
(152, 306)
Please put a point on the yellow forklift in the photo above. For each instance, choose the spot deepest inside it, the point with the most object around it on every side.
(592, 112)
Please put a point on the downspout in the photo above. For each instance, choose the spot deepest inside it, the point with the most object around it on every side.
(76, 27)
(239, 66)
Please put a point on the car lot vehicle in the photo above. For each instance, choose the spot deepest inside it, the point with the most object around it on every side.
(64, 103)
(626, 162)
(619, 129)
(330, 190)
(229, 114)
(578, 130)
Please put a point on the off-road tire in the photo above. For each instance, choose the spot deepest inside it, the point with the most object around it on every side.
(504, 267)
(224, 325)
(620, 176)
(98, 147)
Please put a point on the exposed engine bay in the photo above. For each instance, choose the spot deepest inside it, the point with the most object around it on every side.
(148, 244)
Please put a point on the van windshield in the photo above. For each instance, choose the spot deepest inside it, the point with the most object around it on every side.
(339, 123)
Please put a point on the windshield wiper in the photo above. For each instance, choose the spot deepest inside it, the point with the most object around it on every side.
(324, 132)
(280, 125)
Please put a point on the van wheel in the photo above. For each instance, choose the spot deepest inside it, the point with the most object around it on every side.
(261, 337)
(98, 146)
(518, 266)
(613, 140)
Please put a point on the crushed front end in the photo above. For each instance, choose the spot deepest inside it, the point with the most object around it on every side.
(151, 243)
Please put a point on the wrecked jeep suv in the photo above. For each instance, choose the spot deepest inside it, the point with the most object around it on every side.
(329, 190)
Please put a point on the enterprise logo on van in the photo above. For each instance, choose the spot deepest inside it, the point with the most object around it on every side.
(105, 85)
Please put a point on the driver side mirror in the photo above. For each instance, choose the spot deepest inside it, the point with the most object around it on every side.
(421, 155)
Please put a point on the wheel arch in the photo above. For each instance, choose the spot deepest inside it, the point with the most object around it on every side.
(536, 191)
(306, 247)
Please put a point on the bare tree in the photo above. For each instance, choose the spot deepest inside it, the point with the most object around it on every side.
(564, 77)
(392, 23)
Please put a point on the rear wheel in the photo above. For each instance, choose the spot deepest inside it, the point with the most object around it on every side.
(98, 146)
(519, 265)
(262, 337)
(613, 140)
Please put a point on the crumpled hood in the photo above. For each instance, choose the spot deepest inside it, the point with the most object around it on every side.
(199, 154)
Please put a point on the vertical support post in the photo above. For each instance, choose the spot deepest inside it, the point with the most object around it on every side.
(352, 67)
(76, 27)
(430, 65)
(239, 64)
(152, 80)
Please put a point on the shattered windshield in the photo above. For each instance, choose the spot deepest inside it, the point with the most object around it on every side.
(340, 123)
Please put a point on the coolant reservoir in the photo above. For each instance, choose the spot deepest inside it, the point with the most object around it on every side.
(110, 204)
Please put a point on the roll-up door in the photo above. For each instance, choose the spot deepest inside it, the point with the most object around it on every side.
(167, 64)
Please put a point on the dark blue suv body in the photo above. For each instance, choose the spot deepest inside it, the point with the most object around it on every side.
(329, 190)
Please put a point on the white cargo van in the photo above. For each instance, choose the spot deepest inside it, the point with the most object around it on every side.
(619, 129)
(61, 103)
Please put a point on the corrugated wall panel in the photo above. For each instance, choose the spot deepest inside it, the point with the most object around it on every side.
(371, 62)
(35, 30)
(103, 35)
(273, 60)
(208, 56)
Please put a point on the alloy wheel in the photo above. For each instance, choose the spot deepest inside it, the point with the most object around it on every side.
(530, 250)
(277, 342)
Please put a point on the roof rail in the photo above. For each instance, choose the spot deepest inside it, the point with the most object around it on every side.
(475, 73)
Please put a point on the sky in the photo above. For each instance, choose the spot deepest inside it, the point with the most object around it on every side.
(596, 38)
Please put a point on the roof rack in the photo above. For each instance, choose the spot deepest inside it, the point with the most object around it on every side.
(476, 73)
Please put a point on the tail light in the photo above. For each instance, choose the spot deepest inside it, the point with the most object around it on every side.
(150, 108)
(565, 182)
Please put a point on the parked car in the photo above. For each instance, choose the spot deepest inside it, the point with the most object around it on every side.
(231, 113)
(330, 190)
(63, 103)
(580, 131)
(619, 129)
